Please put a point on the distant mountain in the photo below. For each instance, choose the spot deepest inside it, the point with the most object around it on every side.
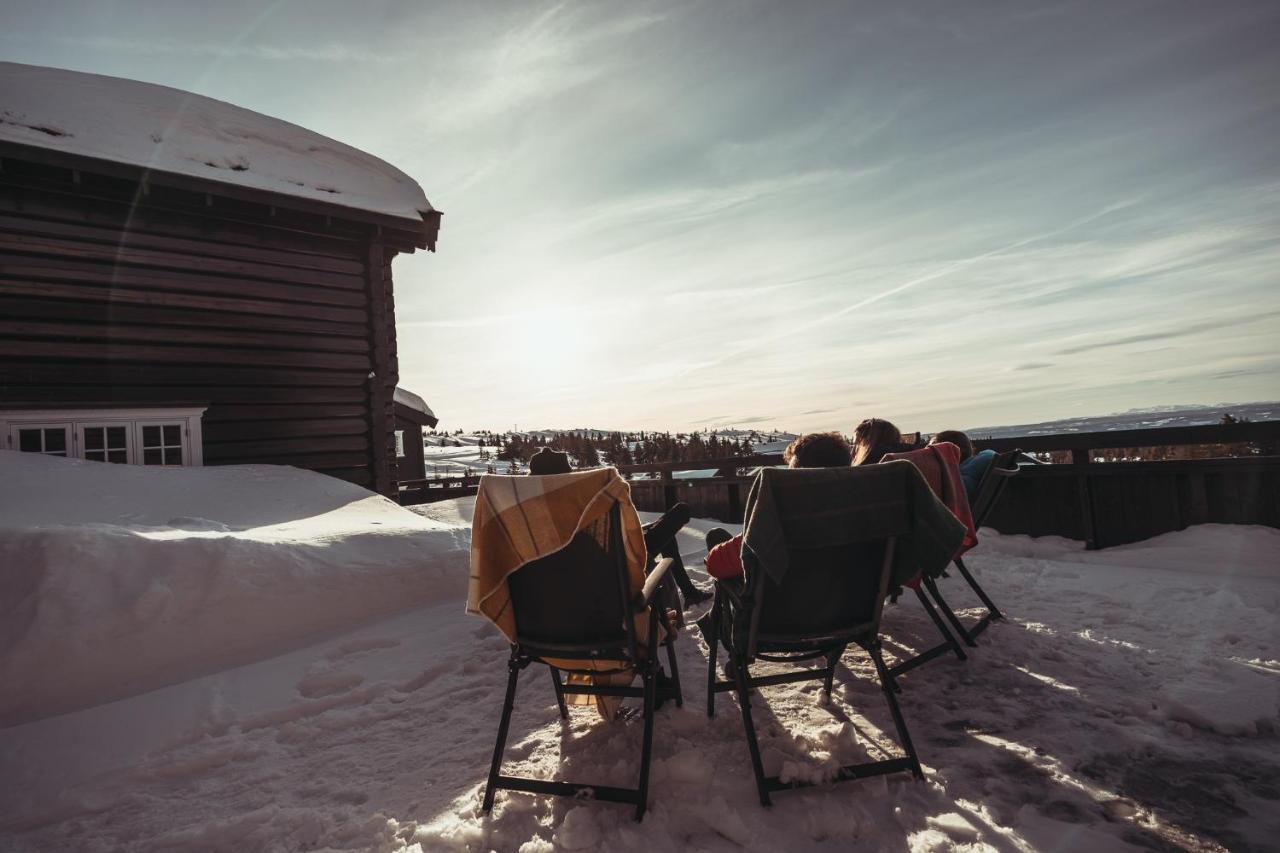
(1160, 416)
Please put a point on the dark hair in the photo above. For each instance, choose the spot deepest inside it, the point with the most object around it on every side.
(871, 432)
(957, 438)
(818, 450)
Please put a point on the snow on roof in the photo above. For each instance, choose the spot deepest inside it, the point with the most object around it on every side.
(413, 401)
(169, 130)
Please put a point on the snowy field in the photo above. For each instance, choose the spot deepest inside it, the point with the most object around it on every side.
(1129, 702)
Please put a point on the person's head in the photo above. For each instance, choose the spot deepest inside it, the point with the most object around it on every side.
(548, 461)
(818, 450)
(957, 438)
(869, 434)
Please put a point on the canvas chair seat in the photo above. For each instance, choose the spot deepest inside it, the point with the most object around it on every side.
(577, 610)
(830, 596)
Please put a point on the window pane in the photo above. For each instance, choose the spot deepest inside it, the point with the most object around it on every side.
(55, 441)
(173, 456)
(93, 439)
(150, 437)
(29, 440)
(118, 456)
(152, 457)
(115, 437)
(95, 455)
(172, 435)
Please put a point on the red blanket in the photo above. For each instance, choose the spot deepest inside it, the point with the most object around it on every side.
(940, 465)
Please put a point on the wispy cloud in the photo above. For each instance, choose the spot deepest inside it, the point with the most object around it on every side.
(328, 53)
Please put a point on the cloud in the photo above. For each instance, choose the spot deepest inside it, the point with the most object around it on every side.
(331, 53)
(1181, 331)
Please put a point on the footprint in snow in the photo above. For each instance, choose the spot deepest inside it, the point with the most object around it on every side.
(328, 683)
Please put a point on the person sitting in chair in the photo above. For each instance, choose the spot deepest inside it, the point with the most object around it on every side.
(973, 466)
(873, 438)
(814, 450)
(659, 536)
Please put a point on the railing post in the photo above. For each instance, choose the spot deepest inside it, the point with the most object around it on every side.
(669, 495)
(735, 503)
(1080, 460)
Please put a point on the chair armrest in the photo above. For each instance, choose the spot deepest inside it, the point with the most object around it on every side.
(653, 581)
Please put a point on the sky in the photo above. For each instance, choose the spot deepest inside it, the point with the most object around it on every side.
(780, 215)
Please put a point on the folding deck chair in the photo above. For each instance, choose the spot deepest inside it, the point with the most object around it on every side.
(990, 489)
(575, 604)
(831, 597)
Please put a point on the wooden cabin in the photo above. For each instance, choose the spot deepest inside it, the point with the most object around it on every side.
(411, 414)
(183, 281)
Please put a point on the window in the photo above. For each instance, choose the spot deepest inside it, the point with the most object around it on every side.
(400, 444)
(140, 436)
(49, 440)
(161, 444)
(105, 442)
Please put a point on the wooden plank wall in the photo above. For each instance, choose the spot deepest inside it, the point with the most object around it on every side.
(1132, 501)
(277, 329)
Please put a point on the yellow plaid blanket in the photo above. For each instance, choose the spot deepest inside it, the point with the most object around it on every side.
(520, 519)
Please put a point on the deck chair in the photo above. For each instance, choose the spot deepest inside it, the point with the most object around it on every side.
(830, 598)
(1004, 466)
(574, 604)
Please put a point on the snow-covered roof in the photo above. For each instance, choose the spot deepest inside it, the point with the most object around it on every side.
(169, 130)
(413, 401)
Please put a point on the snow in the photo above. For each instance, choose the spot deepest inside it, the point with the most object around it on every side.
(413, 401)
(181, 133)
(121, 578)
(1129, 702)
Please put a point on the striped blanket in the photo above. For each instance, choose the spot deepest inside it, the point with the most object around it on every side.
(520, 519)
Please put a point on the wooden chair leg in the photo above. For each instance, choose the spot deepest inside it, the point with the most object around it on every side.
(937, 621)
(555, 679)
(513, 668)
(646, 749)
(932, 585)
(743, 679)
(898, 721)
(713, 652)
(991, 606)
(832, 660)
(675, 673)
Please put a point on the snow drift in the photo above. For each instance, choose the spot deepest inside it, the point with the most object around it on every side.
(118, 579)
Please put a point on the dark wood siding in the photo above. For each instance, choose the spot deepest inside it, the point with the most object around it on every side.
(277, 328)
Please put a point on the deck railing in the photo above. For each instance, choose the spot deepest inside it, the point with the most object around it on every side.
(1091, 497)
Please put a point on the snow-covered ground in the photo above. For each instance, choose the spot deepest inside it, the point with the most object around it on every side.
(1129, 702)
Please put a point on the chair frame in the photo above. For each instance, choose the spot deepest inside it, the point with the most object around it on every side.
(626, 649)
(731, 602)
(1003, 467)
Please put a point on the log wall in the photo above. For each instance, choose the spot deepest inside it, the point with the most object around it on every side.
(275, 321)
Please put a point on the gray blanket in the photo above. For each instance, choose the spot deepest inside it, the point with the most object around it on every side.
(821, 507)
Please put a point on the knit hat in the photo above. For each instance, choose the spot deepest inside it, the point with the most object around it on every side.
(548, 461)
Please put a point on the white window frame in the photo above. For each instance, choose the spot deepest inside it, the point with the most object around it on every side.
(82, 447)
(75, 420)
(162, 423)
(11, 433)
(399, 444)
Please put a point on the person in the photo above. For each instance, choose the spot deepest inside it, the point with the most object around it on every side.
(814, 450)
(875, 437)
(659, 536)
(956, 437)
(973, 466)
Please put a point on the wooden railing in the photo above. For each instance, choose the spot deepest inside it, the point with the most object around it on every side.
(1103, 503)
